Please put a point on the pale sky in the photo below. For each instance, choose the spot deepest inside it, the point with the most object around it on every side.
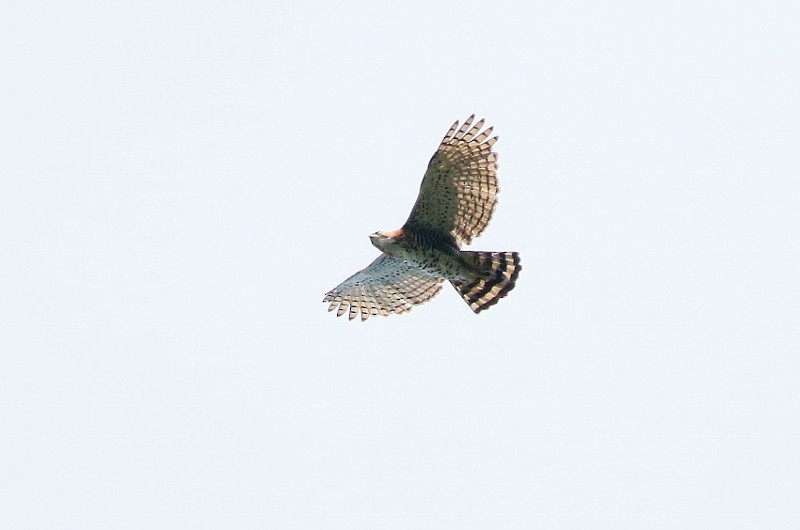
(180, 184)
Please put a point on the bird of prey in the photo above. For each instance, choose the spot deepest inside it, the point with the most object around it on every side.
(456, 200)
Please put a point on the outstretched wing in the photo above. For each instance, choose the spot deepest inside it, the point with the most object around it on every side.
(387, 285)
(459, 189)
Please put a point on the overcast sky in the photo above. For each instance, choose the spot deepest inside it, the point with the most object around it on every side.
(181, 182)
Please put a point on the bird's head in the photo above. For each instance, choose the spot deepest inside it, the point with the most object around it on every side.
(386, 241)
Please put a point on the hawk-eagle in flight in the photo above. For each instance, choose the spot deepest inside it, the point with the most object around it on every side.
(456, 200)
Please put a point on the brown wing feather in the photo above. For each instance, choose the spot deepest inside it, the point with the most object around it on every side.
(387, 285)
(459, 190)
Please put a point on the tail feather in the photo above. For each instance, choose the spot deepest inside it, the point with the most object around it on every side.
(497, 272)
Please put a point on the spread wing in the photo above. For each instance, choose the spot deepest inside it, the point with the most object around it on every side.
(459, 189)
(387, 285)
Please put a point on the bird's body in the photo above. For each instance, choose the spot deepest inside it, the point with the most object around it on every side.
(429, 251)
(456, 201)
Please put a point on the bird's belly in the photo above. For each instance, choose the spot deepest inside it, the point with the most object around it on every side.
(439, 264)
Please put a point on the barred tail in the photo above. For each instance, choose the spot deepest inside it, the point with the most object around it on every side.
(498, 271)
